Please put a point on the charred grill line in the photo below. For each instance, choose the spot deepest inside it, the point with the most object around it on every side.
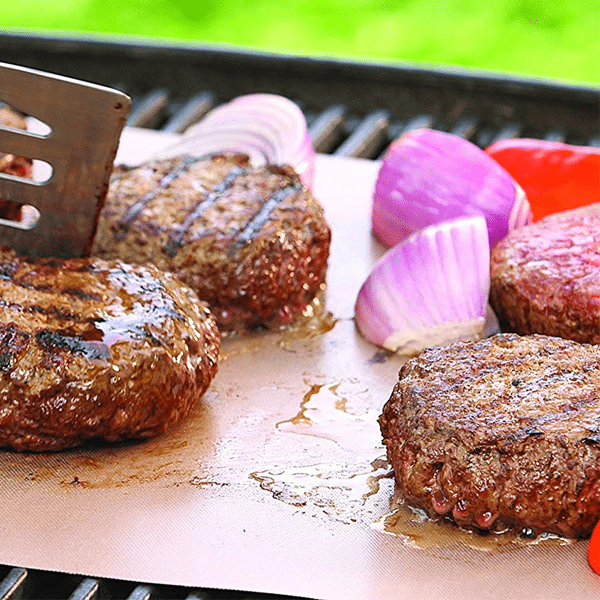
(73, 292)
(253, 226)
(12, 340)
(81, 294)
(77, 345)
(135, 209)
(61, 315)
(177, 235)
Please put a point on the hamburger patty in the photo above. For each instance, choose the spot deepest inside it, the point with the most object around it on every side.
(250, 241)
(92, 349)
(500, 434)
(545, 278)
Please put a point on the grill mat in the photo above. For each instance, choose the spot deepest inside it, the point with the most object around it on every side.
(353, 109)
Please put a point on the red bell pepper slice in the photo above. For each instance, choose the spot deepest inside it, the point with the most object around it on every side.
(594, 549)
(553, 175)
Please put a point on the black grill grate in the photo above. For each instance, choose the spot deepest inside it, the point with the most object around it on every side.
(31, 584)
(336, 131)
(353, 109)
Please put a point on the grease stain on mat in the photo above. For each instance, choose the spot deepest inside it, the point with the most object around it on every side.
(344, 491)
(325, 413)
(337, 490)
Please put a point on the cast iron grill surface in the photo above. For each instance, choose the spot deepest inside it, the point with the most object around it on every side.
(353, 109)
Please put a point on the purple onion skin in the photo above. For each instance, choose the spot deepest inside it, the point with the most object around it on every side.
(436, 177)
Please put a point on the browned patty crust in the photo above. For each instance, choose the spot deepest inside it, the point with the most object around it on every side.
(500, 434)
(545, 278)
(251, 241)
(92, 349)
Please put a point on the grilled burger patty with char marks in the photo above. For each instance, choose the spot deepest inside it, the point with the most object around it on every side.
(94, 349)
(251, 241)
(500, 434)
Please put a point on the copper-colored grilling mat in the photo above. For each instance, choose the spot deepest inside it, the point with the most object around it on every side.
(274, 482)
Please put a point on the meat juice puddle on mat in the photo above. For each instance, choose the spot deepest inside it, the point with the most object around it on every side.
(341, 490)
(416, 529)
(314, 321)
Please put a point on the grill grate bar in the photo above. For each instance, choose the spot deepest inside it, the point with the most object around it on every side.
(367, 140)
(397, 128)
(18, 583)
(556, 135)
(327, 129)
(465, 128)
(510, 130)
(332, 129)
(88, 589)
(142, 592)
(418, 122)
(190, 113)
(149, 111)
(12, 587)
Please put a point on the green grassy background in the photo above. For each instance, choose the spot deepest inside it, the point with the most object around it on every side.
(557, 39)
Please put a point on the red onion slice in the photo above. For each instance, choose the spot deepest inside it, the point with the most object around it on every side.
(266, 127)
(429, 176)
(429, 290)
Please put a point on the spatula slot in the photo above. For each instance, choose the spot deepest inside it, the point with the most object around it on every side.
(24, 168)
(17, 215)
(13, 118)
(34, 125)
(42, 171)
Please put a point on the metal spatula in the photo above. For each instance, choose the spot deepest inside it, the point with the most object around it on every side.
(85, 123)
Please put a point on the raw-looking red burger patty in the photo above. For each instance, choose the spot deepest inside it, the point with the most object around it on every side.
(500, 434)
(545, 277)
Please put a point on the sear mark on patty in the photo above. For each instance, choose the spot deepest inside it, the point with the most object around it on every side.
(51, 340)
(137, 352)
(177, 235)
(135, 209)
(250, 230)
